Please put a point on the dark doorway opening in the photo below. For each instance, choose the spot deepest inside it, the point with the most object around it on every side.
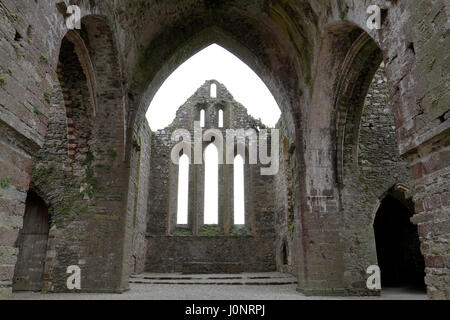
(398, 247)
(32, 244)
(285, 254)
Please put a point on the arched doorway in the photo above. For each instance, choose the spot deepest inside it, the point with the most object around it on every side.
(398, 246)
(32, 244)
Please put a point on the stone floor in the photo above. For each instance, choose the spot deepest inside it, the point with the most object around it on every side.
(245, 286)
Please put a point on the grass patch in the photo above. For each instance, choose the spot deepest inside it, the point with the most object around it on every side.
(3, 79)
(209, 231)
(17, 49)
(5, 183)
(47, 96)
(37, 110)
(238, 232)
(43, 58)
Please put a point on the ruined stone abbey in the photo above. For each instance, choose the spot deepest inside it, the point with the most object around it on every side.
(364, 144)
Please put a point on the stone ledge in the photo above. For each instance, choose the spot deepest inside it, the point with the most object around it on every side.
(338, 292)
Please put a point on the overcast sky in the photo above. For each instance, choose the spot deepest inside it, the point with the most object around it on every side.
(213, 62)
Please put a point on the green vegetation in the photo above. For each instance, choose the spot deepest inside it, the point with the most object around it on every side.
(181, 233)
(88, 160)
(431, 64)
(47, 96)
(3, 78)
(92, 185)
(43, 58)
(435, 100)
(17, 49)
(291, 230)
(4, 183)
(67, 210)
(209, 231)
(238, 232)
(37, 110)
(41, 176)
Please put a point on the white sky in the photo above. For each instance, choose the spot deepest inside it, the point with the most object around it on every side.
(211, 190)
(213, 62)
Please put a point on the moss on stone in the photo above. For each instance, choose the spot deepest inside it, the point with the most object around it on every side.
(67, 210)
(13, 17)
(42, 175)
(47, 96)
(92, 184)
(88, 160)
(37, 110)
(432, 62)
(209, 231)
(43, 58)
(17, 49)
(239, 232)
(5, 182)
(435, 101)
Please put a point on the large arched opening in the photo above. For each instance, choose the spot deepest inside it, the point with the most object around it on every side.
(276, 69)
(363, 134)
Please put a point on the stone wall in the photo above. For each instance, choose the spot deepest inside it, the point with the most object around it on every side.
(285, 184)
(425, 135)
(67, 89)
(210, 254)
(372, 168)
(141, 185)
(24, 78)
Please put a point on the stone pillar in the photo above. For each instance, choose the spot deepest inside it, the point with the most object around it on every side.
(431, 175)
